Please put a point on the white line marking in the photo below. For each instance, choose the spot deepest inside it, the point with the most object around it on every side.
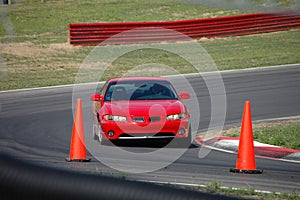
(51, 87)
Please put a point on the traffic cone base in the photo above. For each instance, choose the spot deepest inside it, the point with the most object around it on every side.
(245, 162)
(78, 160)
(245, 171)
(77, 147)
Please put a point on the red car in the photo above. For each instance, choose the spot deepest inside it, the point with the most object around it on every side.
(140, 108)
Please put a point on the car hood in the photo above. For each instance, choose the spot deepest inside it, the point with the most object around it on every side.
(143, 108)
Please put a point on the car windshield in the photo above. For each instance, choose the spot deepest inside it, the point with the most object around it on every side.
(140, 90)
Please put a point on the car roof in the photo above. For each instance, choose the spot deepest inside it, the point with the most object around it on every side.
(138, 79)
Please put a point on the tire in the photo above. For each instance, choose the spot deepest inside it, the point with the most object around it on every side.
(101, 139)
(98, 135)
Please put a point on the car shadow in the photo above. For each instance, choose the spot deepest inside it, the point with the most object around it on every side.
(149, 143)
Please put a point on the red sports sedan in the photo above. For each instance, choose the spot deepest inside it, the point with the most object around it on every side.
(140, 108)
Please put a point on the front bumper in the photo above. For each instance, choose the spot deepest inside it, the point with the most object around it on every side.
(132, 130)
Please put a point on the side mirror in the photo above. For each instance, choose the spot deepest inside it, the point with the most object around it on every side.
(184, 95)
(96, 97)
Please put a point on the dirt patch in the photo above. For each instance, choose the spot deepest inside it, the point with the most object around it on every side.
(205, 39)
(28, 49)
(63, 46)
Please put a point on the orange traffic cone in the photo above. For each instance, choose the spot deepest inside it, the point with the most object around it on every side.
(77, 147)
(245, 162)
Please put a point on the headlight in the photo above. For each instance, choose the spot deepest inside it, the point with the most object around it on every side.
(115, 118)
(176, 116)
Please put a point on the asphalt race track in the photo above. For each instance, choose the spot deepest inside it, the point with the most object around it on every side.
(36, 126)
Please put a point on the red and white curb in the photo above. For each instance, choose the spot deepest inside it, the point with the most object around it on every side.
(231, 144)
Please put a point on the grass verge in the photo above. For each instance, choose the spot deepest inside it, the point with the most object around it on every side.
(250, 193)
(215, 187)
(28, 65)
(48, 22)
(280, 133)
(35, 53)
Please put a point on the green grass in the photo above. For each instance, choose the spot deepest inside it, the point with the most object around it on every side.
(48, 22)
(36, 53)
(241, 193)
(249, 193)
(37, 65)
(284, 134)
(255, 50)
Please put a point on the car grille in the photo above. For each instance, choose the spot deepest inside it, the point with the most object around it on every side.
(145, 135)
(138, 119)
(154, 119)
(142, 119)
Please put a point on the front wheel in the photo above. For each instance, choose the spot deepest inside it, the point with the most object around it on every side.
(101, 138)
(98, 135)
